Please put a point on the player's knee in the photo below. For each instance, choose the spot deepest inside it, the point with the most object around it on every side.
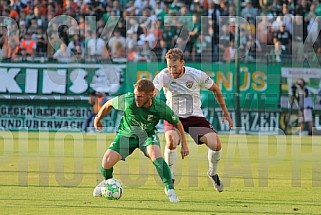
(153, 152)
(107, 165)
(212, 141)
(219, 145)
(108, 161)
(171, 141)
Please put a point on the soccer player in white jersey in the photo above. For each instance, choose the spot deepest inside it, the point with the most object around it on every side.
(182, 86)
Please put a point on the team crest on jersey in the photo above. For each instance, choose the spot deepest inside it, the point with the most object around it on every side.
(189, 84)
(150, 117)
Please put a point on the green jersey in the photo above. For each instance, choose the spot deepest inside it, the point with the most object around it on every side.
(137, 120)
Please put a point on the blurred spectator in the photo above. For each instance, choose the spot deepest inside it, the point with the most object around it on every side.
(195, 31)
(34, 15)
(53, 44)
(224, 39)
(249, 10)
(96, 100)
(141, 4)
(284, 37)
(71, 48)
(22, 28)
(229, 53)
(278, 52)
(312, 25)
(201, 46)
(298, 38)
(287, 18)
(146, 52)
(133, 54)
(148, 37)
(117, 9)
(42, 43)
(119, 50)
(175, 6)
(276, 8)
(62, 55)
(96, 46)
(277, 24)
(12, 50)
(33, 26)
(303, 8)
(28, 46)
(253, 49)
(291, 6)
(264, 32)
(131, 40)
(3, 36)
(77, 54)
(160, 50)
(106, 56)
(116, 41)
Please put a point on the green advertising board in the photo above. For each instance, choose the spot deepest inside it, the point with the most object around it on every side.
(55, 96)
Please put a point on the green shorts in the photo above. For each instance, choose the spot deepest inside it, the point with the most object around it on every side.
(127, 145)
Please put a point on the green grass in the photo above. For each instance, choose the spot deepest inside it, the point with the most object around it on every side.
(55, 173)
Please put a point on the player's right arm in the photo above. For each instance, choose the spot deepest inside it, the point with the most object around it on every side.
(105, 109)
(117, 103)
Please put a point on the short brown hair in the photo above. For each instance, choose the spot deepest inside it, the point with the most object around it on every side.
(144, 85)
(174, 54)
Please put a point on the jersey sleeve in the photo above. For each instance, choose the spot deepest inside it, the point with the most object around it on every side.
(170, 116)
(119, 102)
(159, 81)
(206, 81)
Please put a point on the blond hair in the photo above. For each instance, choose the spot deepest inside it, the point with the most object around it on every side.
(174, 54)
(145, 85)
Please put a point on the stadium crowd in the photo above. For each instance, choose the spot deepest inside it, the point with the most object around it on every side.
(143, 34)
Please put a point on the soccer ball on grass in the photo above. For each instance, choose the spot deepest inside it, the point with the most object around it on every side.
(113, 189)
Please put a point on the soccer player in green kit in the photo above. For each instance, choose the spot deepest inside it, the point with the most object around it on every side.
(137, 129)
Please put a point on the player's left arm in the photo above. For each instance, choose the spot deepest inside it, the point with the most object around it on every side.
(184, 150)
(174, 120)
(220, 99)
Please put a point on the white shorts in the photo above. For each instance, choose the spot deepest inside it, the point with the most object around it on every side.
(307, 116)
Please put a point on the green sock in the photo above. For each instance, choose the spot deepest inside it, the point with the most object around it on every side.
(164, 172)
(107, 173)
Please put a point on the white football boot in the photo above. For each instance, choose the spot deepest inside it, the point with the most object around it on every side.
(216, 182)
(97, 190)
(165, 190)
(172, 195)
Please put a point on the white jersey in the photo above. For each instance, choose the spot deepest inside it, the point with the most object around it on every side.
(183, 93)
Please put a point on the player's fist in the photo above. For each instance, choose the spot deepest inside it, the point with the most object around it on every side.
(229, 119)
(184, 150)
(97, 124)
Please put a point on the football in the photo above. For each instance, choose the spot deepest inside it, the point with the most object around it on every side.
(113, 189)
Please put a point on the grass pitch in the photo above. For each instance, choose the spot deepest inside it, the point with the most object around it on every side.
(55, 173)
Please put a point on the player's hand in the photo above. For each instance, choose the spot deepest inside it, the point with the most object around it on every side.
(229, 119)
(97, 124)
(184, 150)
